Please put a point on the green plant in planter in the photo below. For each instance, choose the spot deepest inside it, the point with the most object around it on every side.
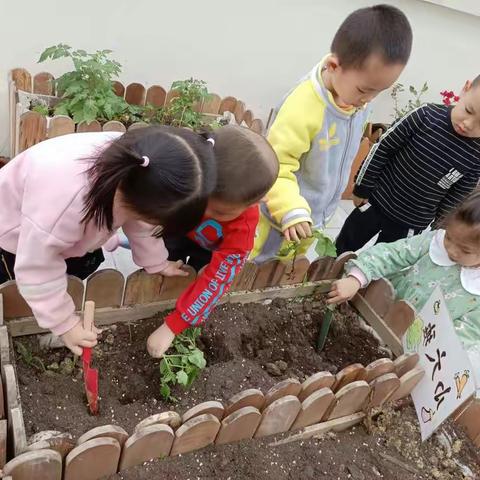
(29, 358)
(414, 102)
(86, 92)
(41, 109)
(183, 366)
(324, 247)
(180, 111)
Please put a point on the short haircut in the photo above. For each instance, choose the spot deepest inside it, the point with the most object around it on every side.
(382, 29)
(476, 81)
(247, 165)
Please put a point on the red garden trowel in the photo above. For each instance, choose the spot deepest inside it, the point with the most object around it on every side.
(90, 375)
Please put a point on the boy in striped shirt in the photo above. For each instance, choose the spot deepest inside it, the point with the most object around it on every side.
(421, 168)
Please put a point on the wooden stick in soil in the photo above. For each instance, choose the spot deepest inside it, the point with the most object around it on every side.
(324, 329)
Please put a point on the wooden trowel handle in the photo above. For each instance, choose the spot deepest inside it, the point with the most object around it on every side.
(88, 315)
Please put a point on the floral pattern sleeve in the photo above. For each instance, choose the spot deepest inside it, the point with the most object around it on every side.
(386, 259)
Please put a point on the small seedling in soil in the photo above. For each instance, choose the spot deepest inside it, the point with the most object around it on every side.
(183, 366)
(324, 248)
(28, 357)
(327, 320)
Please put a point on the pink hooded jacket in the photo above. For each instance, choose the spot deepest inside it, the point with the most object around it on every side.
(42, 194)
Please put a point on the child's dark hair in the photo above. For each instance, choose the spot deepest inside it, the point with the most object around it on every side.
(468, 212)
(247, 166)
(476, 81)
(180, 174)
(381, 29)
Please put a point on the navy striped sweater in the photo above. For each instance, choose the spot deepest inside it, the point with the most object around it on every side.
(420, 169)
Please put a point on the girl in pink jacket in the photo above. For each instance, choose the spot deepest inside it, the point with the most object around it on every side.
(63, 198)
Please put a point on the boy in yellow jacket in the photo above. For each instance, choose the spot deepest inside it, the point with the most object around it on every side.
(318, 127)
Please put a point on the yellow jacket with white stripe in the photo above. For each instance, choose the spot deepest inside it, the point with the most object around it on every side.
(316, 142)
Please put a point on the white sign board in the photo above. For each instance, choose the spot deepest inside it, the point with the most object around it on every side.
(448, 379)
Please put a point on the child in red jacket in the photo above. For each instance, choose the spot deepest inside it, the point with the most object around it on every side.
(247, 167)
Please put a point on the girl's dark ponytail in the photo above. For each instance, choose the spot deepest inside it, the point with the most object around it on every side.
(157, 170)
(106, 174)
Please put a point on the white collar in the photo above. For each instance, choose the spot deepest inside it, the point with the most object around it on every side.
(469, 277)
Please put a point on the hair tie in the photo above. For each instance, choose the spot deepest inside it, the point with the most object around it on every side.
(211, 140)
(145, 162)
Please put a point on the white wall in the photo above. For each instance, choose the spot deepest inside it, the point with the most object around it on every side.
(253, 49)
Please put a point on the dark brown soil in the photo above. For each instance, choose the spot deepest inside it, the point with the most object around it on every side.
(247, 346)
(240, 342)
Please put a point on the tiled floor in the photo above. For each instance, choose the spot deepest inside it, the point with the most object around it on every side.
(121, 259)
(335, 224)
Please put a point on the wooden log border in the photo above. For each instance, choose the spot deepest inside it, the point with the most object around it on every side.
(25, 133)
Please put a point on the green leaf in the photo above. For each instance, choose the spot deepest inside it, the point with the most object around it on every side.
(288, 249)
(165, 391)
(182, 378)
(41, 109)
(46, 54)
(182, 349)
(22, 350)
(169, 377)
(72, 90)
(176, 362)
(59, 53)
(197, 359)
(192, 375)
(90, 110)
(163, 367)
(325, 246)
(61, 109)
(330, 250)
(38, 364)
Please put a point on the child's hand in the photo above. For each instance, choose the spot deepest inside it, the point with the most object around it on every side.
(358, 202)
(298, 231)
(159, 341)
(174, 269)
(77, 337)
(343, 290)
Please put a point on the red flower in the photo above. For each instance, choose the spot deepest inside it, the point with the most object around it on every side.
(449, 97)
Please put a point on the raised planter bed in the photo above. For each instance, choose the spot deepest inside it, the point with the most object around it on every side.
(236, 398)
